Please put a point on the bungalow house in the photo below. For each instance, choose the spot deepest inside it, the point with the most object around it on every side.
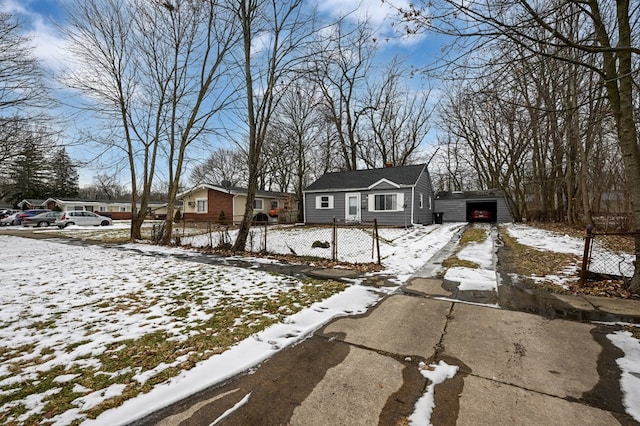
(212, 203)
(397, 196)
(116, 209)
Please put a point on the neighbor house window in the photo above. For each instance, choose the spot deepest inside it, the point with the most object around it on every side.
(123, 209)
(258, 204)
(201, 206)
(274, 204)
(103, 208)
(324, 202)
(421, 201)
(386, 202)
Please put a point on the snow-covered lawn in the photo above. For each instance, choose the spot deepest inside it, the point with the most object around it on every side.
(86, 328)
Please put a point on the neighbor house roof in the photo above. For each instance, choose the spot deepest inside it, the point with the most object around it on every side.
(364, 179)
(236, 190)
(87, 202)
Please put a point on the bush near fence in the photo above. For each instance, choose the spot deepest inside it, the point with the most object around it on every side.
(355, 244)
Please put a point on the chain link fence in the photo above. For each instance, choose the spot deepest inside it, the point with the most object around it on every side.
(359, 243)
(608, 256)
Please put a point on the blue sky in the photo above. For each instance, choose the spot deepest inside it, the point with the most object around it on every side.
(42, 19)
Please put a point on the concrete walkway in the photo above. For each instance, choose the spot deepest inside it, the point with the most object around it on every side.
(513, 368)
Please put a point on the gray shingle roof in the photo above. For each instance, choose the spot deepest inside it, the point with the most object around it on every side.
(361, 179)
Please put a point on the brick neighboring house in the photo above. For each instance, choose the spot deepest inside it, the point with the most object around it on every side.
(217, 204)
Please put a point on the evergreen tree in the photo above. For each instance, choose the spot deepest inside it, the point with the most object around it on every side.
(63, 178)
(28, 171)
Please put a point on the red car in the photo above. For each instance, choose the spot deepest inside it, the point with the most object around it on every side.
(480, 214)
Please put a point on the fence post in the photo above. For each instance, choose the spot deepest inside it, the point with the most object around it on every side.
(265, 236)
(585, 256)
(334, 242)
(377, 238)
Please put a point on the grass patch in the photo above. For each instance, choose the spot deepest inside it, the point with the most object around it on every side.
(530, 262)
(157, 356)
(470, 235)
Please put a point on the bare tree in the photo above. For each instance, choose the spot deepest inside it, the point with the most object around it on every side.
(398, 120)
(340, 67)
(24, 96)
(605, 41)
(299, 125)
(157, 91)
(224, 164)
(268, 68)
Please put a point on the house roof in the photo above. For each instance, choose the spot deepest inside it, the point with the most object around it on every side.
(82, 201)
(236, 190)
(364, 179)
(451, 195)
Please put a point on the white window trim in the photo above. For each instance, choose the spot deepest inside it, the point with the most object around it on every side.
(319, 202)
(421, 200)
(206, 205)
(256, 201)
(399, 202)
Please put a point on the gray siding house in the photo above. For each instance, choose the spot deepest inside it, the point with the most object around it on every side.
(459, 206)
(396, 196)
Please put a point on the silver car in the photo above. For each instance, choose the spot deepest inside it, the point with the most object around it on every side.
(82, 218)
(42, 219)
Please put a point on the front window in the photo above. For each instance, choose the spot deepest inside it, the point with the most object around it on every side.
(386, 201)
(258, 204)
(274, 204)
(201, 206)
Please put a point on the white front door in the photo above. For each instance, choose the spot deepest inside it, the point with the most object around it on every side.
(352, 204)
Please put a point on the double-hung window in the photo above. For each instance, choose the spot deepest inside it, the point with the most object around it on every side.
(201, 206)
(393, 202)
(386, 201)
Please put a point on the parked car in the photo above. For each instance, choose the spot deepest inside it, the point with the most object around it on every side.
(7, 212)
(82, 218)
(481, 215)
(29, 213)
(42, 219)
(12, 219)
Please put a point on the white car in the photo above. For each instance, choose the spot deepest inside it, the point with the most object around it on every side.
(12, 219)
(82, 218)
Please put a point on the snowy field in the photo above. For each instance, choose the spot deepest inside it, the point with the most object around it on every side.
(84, 328)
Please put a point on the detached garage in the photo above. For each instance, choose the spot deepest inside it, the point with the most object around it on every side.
(471, 206)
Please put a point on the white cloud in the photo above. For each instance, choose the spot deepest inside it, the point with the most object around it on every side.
(383, 18)
(41, 29)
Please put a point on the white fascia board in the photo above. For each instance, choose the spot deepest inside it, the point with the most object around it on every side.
(381, 181)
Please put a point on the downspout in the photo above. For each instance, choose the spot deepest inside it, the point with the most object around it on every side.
(413, 204)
